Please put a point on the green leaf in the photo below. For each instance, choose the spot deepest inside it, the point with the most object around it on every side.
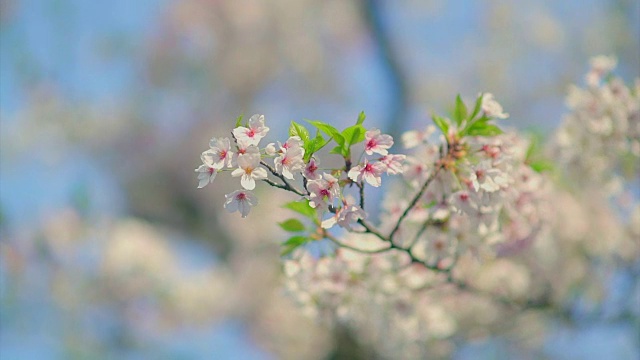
(441, 123)
(476, 108)
(293, 243)
(474, 124)
(299, 130)
(541, 165)
(361, 118)
(301, 207)
(239, 121)
(353, 134)
(314, 145)
(483, 129)
(329, 130)
(337, 150)
(292, 225)
(460, 112)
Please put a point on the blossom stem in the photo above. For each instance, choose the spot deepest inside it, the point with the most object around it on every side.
(333, 239)
(413, 203)
(287, 186)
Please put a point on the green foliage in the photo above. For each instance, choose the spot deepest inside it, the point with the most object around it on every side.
(353, 135)
(460, 111)
(302, 208)
(314, 145)
(481, 128)
(292, 225)
(329, 130)
(441, 123)
(476, 107)
(534, 157)
(239, 121)
(345, 139)
(300, 131)
(293, 243)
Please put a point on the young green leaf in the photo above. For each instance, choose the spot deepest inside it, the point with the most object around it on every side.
(329, 130)
(301, 207)
(353, 134)
(476, 108)
(293, 243)
(441, 123)
(484, 129)
(292, 225)
(239, 121)
(299, 130)
(361, 118)
(460, 112)
(541, 165)
(314, 145)
(340, 150)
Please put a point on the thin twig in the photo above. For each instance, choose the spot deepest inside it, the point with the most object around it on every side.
(363, 251)
(286, 186)
(413, 203)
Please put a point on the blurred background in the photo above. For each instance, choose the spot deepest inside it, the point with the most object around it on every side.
(108, 249)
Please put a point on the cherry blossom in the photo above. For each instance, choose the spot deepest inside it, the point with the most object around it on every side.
(345, 216)
(413, 138)
(291, 158)
(249, 169)
(323, 191)
(394, 163)
(488, 178)
(206, 175)
(240, 200)
(377, 143)
(311, 170)
(369, 171)
(492, 108)
(219, 155)
(270, 149)
(254, 133)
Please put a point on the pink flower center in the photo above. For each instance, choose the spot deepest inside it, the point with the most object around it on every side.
(464, 197)
(371, 144)
(251, 133)
(222, 154)
(479, 174)
(241, 196)
(368, 168)
(312, 168)
(211, 170)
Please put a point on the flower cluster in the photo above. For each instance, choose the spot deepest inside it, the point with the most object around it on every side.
(294, 160)
(465, 227)
(600, 138)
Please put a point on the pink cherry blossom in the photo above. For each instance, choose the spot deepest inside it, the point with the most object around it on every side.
(240, 200)
(394, 163)
(254, 133)
(206, 175)
(345, 216)
(219, 155)
(369, 171)
(291, 158)
(249, 169)
(323, 191)
(377, 143)
(311, 170)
